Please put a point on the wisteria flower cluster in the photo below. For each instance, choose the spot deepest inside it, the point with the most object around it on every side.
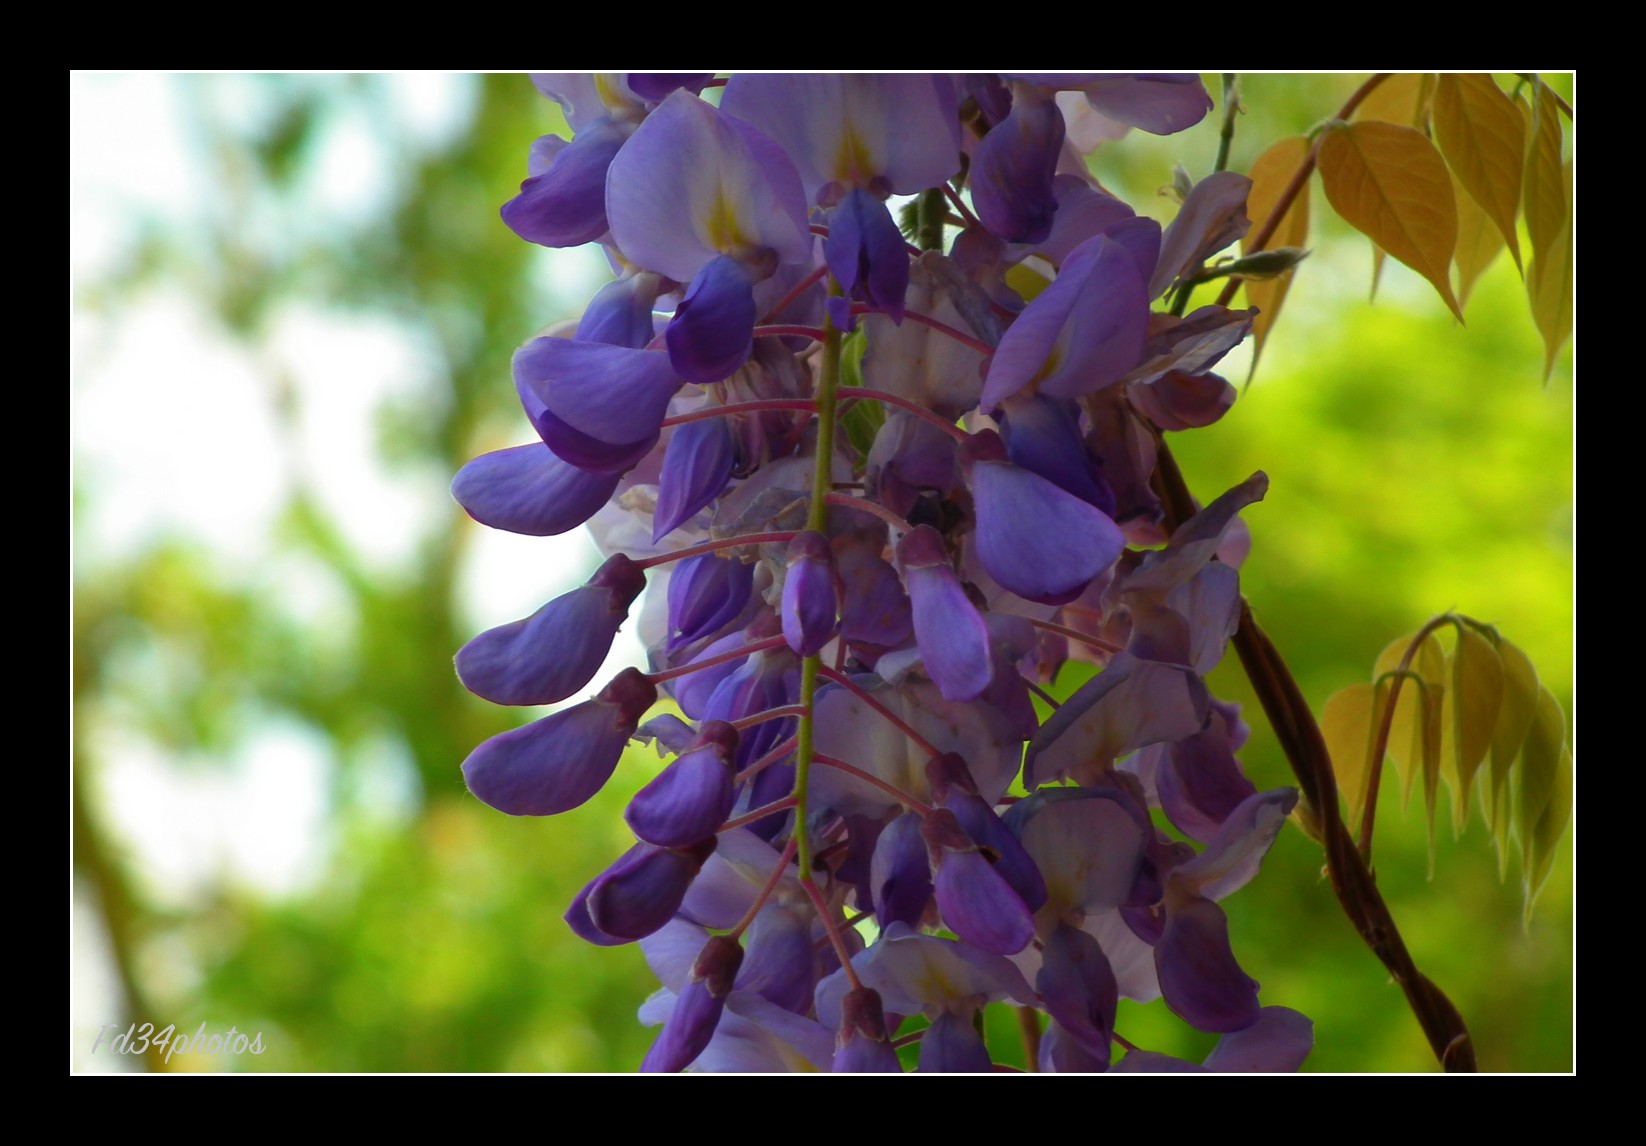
(872, 407)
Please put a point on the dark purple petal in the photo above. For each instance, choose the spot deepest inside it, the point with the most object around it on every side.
(558, 649)
(527, 489)
(976, 901)
(577, 918)
(705, 593)
(865, 1045)
(1010, 860)
(566, 205)
(865, 252)
(712, 331)
(691, 798)
(1079, 990)
(642, 891)
(874, 609)
(656, 86)
(696, 467)
(555, 764)
(951, 1045)
(1062, 1053)
(809, 594)
(1043, 436)
(900, 873)
(1200, 781)
(1152, 1062)
(691, 1025)
(1012, 171)
(1199, 978)
(1179, 401)
(1276, 1044)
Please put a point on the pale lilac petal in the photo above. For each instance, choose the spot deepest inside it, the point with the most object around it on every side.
(1158, 104)
(1125, 707)
(1212, 217)
(1235, 853)
(692, 183)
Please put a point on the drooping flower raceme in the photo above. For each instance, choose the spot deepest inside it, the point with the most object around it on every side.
(869, 572)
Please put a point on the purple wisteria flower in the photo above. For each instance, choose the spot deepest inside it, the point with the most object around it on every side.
(877, 498)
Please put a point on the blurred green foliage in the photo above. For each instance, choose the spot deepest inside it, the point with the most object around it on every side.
(1415, 467)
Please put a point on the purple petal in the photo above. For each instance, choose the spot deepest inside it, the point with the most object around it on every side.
(1199, 978)
(1213, 216)
(555, 764)
(809, 594)
(527, 489)
(566, 205)
(558, 649)
(620, 314)
(865, 250)
(692, 183)
(691, 798)
(953, 638)
(1159, 104)
(1276, 1044)
(642, 891)
(712, 331)
(1013, 167)
(696, 467)
(951, 1045)
(704, 594)
(1082, 333)
(656, 86)
(778, 963)
(1127, 706)
(979, 906)
(1079, 990)
(590, 391)
(697, 1011)
(1036, 539)
(900, 874)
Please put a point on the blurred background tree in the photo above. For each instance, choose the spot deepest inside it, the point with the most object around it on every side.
(292, 316)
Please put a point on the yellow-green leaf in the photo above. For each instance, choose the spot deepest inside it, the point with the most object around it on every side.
(1551, 825)
(1407, 736)
(1483, 137)
(1538, 777)
(1402, 98)
(1549, 282)
(1346, 723)
(1514, 720)
(1389, 183)
(1476, 696)
(1544, 185)
(1270, 175)
(1478, 243)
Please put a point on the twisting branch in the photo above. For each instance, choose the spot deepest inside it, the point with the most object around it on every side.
(1305, 748)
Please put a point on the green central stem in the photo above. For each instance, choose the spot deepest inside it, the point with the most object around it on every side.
(828, 384)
